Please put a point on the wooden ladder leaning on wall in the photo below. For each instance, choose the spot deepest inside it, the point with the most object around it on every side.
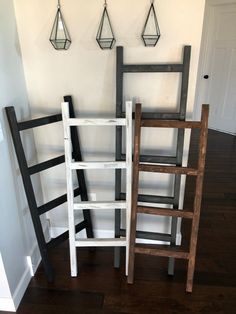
(27, 172)
(193, 215)
(72, 165)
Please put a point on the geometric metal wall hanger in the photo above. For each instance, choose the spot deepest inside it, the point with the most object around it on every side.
(27, 171)
(105, 36)
(151, 32)
(194, 215)
(60, 38)
(179, 114)
(71, 165)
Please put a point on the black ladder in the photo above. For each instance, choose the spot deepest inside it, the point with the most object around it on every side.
(26, 172)
(179, 114)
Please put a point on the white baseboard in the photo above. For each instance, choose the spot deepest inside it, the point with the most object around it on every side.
(33, 261)
(7, 304)
(11, 304)
(34, 257)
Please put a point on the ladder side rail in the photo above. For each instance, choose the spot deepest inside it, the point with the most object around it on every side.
(198, 196)
(29, 191)
(119, 101)
(184, 82)
(137, 139)
(79, 173)
(129, 126)
(179, 149)
(70, 196)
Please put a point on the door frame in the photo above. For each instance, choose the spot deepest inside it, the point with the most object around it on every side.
(205, 42)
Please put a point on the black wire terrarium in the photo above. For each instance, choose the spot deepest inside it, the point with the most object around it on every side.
(105, 36)
(60, 38)
(151, 31)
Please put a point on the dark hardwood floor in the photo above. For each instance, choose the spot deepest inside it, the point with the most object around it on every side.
(102, 289)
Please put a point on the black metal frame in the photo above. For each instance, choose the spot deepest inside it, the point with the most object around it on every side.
(53, 37)
(154, 37)
(121, 69)
(101, 40)
(26, 173)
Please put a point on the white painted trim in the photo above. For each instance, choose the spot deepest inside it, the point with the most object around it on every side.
(205, 43)
(21, 287)
(98, 165)
(100, 205)
(7, 304)
(97, 122)
(11, 304)
(34, 257)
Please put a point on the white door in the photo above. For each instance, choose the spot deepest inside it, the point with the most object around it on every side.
(217, 72)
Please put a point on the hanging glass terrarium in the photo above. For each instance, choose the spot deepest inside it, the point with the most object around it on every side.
(105, 36)
(60, 38)
(151, 32)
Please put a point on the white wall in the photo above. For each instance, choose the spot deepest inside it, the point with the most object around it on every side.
(17, 237)
(88, 73)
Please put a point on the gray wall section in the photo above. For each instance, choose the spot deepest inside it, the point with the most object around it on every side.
(16, 233)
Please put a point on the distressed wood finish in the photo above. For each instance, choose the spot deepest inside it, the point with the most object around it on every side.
(97, 122)
(127, 164)
(165, 212)
(137, 136)
(151, 123)
(179, 114)
(198, 196)
(26, 173)
(168, 169)
(195, 215)
(98, 165)
(162, 251)
(100, 205)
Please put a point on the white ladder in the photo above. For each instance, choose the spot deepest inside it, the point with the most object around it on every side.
(74, 241)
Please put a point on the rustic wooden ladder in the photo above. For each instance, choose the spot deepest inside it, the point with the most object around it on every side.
(71, 165)
(179, 113)
(26, 173)
(194, 215)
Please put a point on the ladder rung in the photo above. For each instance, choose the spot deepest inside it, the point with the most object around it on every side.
(168, 169)
(137, 68)
(165, 212)
(46, 165)
(153, 123)
(162, 251)
(100, 242)
(149, 235)
(152, 198)
(98, 165)
(56, 202)
(24, 125)
(172, 160)
(64, 236)
(98, 122)
(158, 115)
(100, 205)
